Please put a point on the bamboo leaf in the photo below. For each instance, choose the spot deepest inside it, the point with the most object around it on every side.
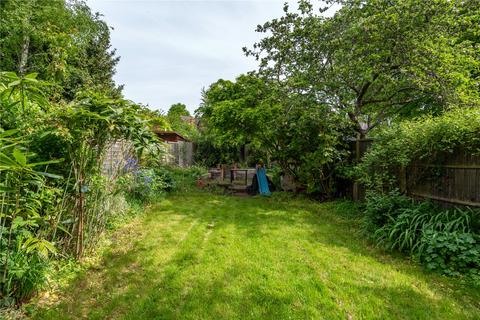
(36, 164)
(32, 75)
(49, 175)
(60, 227)
(8, 133)
(6, 161)
(20, 157)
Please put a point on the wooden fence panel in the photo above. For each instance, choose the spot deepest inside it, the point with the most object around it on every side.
(449, 178)
(455, 179)
(179, 153)
(118, 158)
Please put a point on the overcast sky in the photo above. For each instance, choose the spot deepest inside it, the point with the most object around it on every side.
(171, 49)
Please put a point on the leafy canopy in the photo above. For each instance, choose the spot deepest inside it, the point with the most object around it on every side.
(375, 60)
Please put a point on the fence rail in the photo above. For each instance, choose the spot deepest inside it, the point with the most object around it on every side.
(450, 178)
(455, 180)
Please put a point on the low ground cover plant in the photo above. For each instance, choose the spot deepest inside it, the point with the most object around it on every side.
(444, 240)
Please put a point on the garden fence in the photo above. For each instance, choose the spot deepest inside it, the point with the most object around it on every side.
(456, 180)
(453, 179)
(179, 153)
(118, 157)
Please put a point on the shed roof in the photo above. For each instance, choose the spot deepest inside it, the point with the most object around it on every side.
(170, 136)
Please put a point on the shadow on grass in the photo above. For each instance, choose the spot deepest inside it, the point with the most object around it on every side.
(324, 223)
(131, 283)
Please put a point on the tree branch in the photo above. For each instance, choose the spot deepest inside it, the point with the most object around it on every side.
(359, 101)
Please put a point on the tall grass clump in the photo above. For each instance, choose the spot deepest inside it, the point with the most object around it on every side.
(186, 178)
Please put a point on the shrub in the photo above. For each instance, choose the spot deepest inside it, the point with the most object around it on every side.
(27, 210)
(443, 239)
(404, 227)
(145, 185)
(26, 275)
(194, 172)
(185, 178)
(381, 208)
(424, 139)
(276, 173)
(167, 177)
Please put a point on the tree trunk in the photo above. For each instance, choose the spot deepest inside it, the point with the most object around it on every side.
(22, 63)
(242, 153)
(355, 190)
(358, 156)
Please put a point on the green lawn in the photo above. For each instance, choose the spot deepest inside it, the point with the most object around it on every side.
(200, 256)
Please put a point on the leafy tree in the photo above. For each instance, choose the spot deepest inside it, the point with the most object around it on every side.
(93, 66)
(227, 119)
(155, 118)
(232, 111)
(178, 123)
(60, 40)
(290, 129)
(375, 60)
(178, 110)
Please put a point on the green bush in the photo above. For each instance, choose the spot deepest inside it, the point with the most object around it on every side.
(146, 185)
(27, 214)
(276, 175)
(444, 240)
(167, 177)
(185, 178)
(425, 139)
(404, 227)
(381, 208)
(26, 275)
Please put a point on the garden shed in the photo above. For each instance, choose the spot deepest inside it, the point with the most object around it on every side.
(179, 150)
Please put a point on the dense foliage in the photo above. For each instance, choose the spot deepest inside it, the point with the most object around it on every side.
(181, 121)
(62, 41)
(57, 194)
(326, 80)
(375, 60)
(446, 240)
(146, 184)
(60, 115)
(427, 139)
(289, 129)
(403, 74)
